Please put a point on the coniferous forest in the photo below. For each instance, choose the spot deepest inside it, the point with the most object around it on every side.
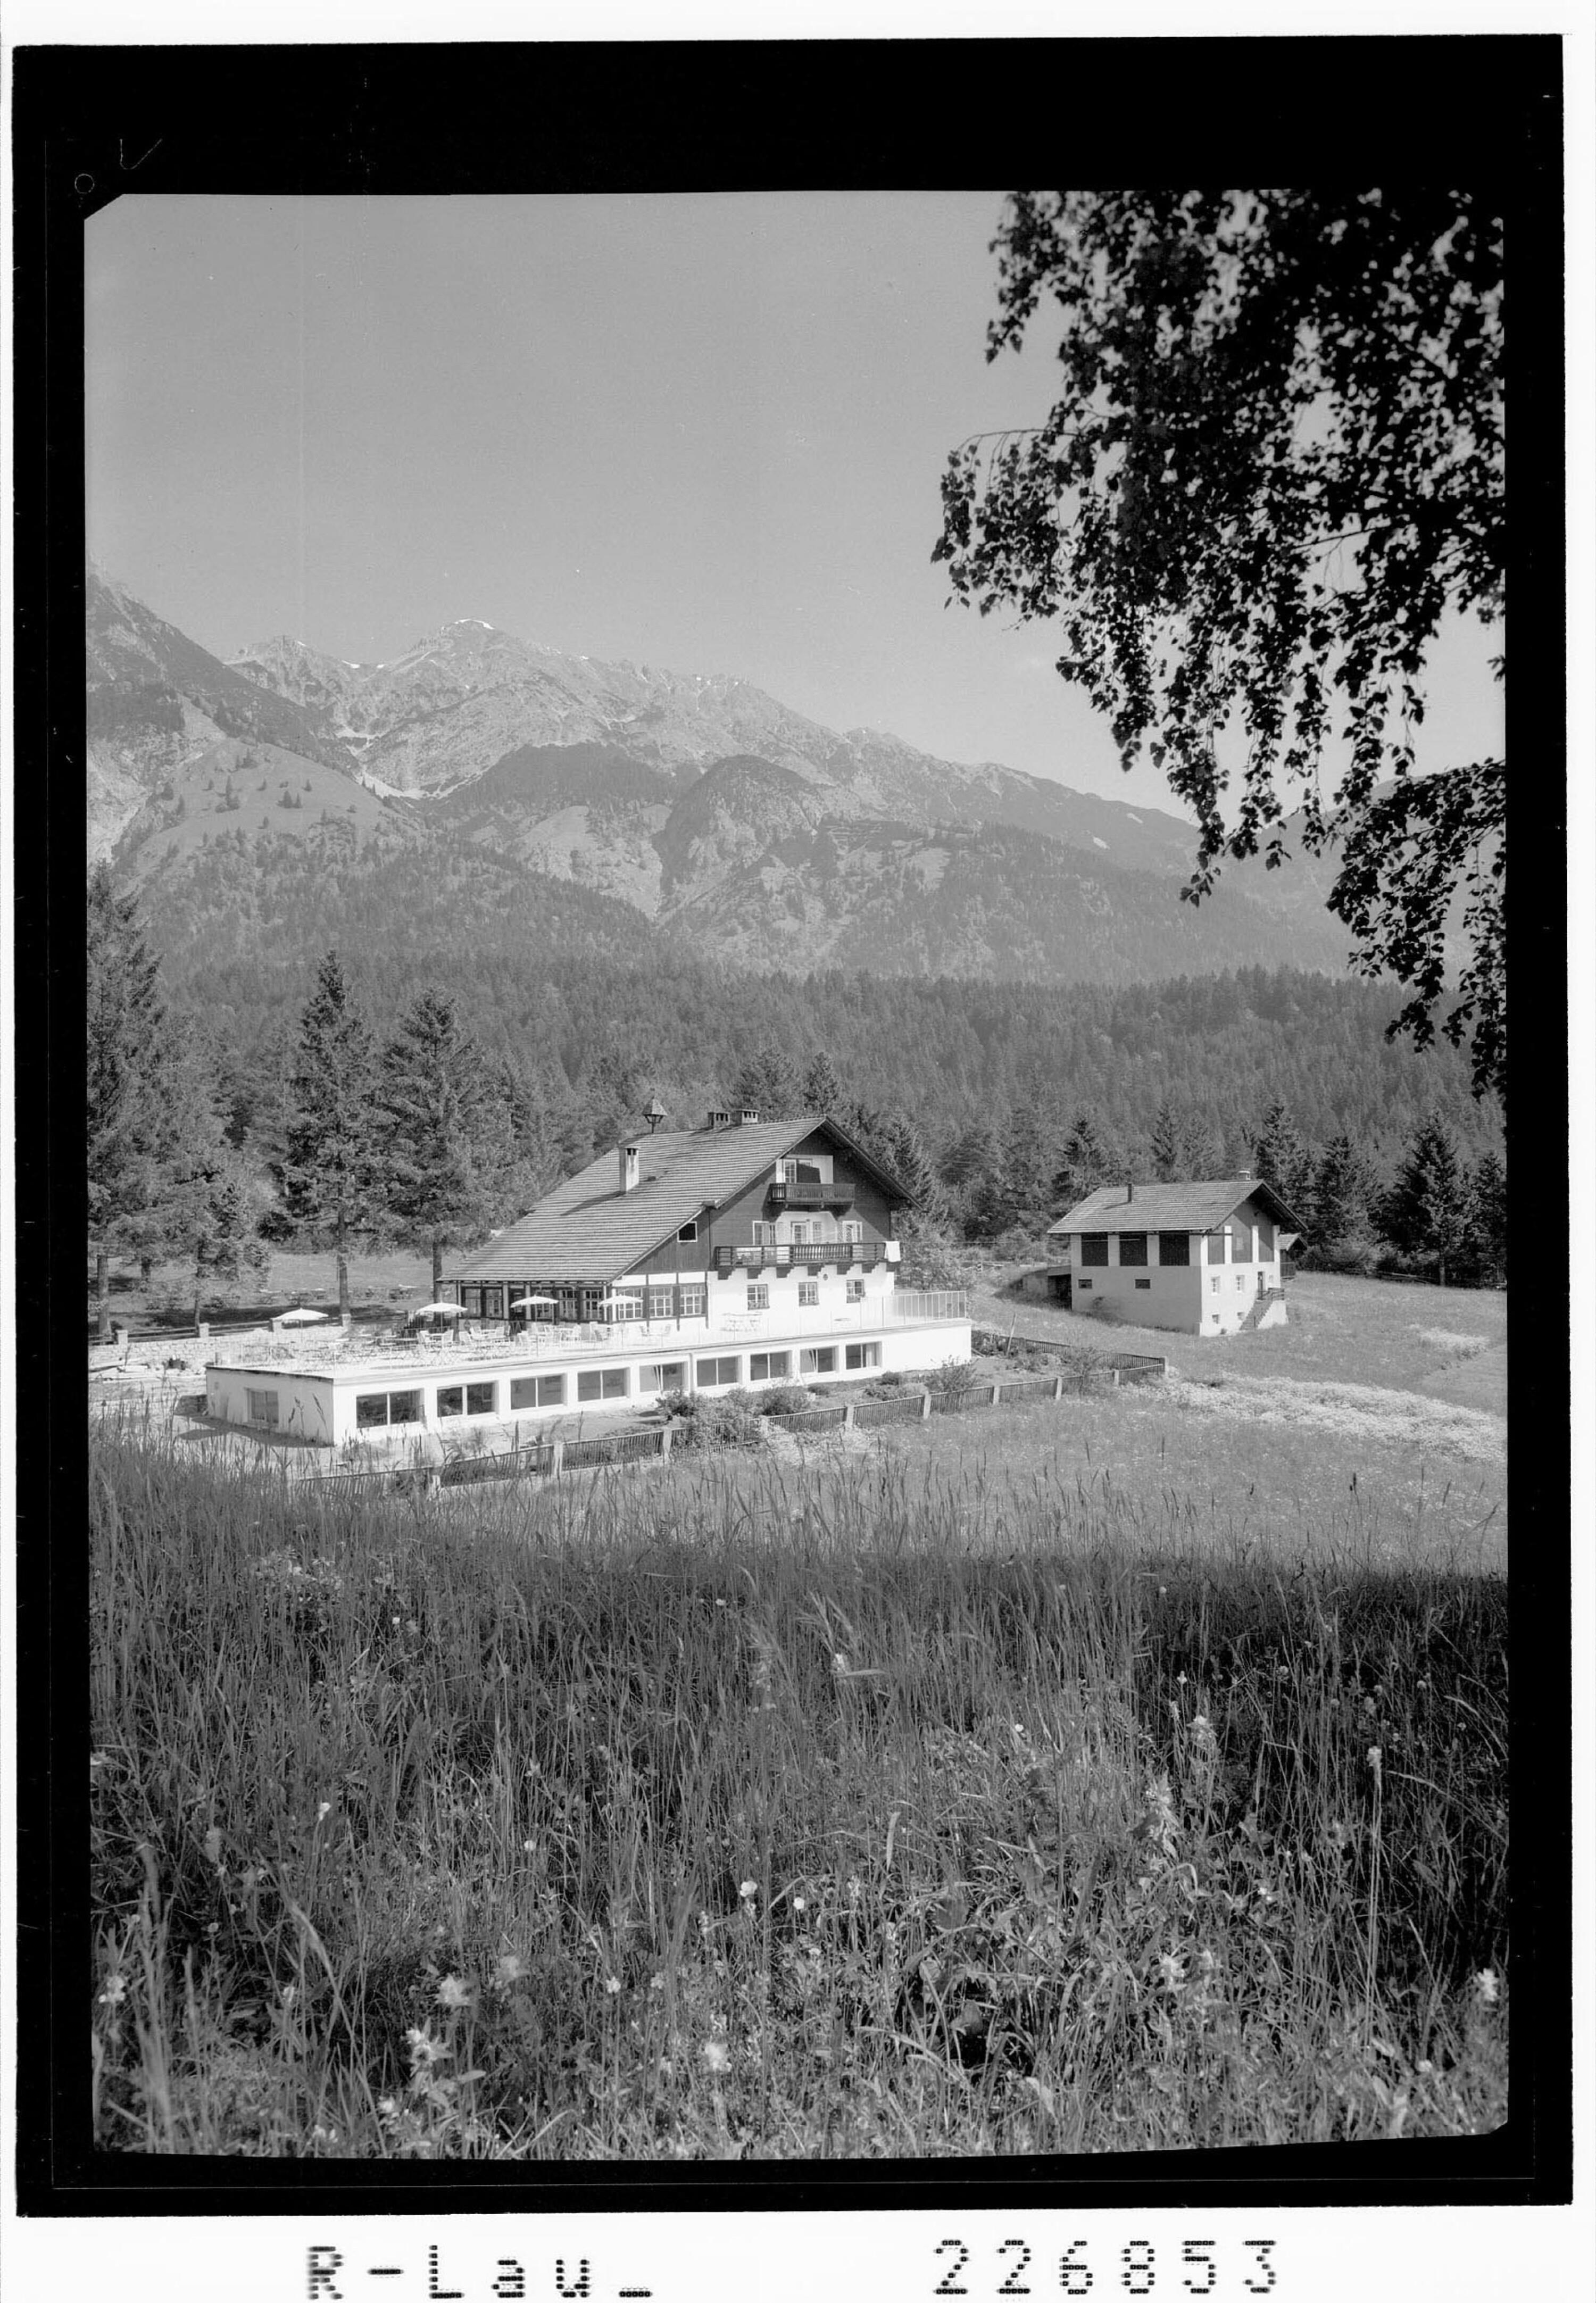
(999, 1104)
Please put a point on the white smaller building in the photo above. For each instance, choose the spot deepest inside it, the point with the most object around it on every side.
(1203, 1258)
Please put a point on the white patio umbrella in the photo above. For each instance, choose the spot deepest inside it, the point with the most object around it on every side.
(439, 1311)
(301, 1316)
(525, 1302)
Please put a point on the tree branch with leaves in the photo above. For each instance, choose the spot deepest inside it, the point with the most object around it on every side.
(1275, 465)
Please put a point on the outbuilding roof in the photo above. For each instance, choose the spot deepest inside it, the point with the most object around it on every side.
(1172, 1207)
(588, 1231)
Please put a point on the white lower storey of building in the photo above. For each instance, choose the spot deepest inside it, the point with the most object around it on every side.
(332, 1404)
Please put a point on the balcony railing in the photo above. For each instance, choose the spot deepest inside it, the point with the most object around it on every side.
(809, 1192)
(838, 1253)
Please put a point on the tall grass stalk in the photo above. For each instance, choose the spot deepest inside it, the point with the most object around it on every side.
(862, 1808)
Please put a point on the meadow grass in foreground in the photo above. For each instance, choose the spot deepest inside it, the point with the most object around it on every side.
(666, 1817)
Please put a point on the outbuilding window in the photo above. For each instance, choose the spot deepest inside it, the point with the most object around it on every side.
(767, 1367)
(601, 1383)
(262, 1407)
(719, 1372)
(1174, 1247)
(1094, 1247)
(1143, 1283)
(861, 1356)
(822, 1360)
(1133, 1247)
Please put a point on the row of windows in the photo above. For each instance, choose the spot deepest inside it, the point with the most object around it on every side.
(374, 1408)
(759, 1294)
(1174, 1247)
(588, 1304)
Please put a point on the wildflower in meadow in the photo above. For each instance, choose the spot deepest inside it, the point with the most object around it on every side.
(453, 1993)
(611, 1984)
(1174, 1972)
(799, 1903)
(717, 2056)
(1488, 1987)
(114, 1992)
(508, 1968)
(748, 1890)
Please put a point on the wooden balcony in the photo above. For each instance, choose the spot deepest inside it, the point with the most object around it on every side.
(809, 1193)
(841, 1254)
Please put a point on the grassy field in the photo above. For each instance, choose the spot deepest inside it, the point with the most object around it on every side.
(1339, 1330)
(941, 1796)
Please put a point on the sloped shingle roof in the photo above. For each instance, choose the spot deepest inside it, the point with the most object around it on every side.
(1171, 1206)
(588, 1231)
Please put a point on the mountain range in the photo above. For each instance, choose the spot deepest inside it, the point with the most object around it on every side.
(731, 825)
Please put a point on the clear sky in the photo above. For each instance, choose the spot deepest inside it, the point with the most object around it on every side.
(701, 432)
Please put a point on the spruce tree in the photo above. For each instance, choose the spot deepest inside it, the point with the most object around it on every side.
(1027, 1156)
(1339, 1199)
(823, 1089)
(1489, 1191)
(1281, 1157)
(450, 1161)
(1086, 1163)
(131, 1123)
(912, 1165)
(765, 1083)
(1429, 1212)
(329, 1177)
(204, 1217)
(1170, 1145)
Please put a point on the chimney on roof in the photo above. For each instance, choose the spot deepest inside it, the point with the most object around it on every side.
(1130, 1189)
(629, 1177)
(654, 1114)
(747, 1116)
(718, 1119)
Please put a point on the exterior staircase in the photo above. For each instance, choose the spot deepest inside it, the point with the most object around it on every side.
(1259, 1306)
